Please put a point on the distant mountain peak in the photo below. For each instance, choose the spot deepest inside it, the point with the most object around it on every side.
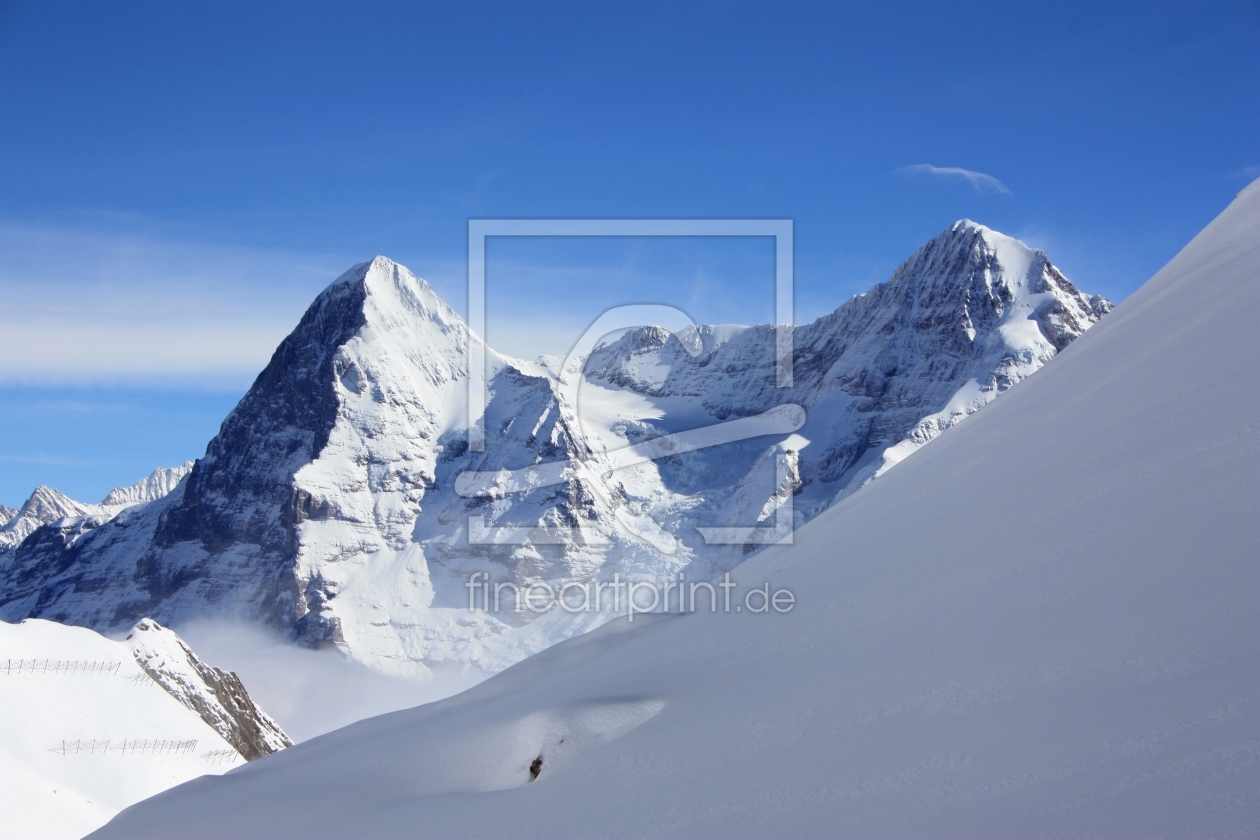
(44, 505)
(150, 488)
(47, 505)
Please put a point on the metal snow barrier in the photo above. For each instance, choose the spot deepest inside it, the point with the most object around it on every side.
(141, 747)
(13, 667)
(221, 756)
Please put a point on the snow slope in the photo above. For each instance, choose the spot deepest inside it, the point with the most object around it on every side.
(63, 684)
(1045, 624)
(329, 505)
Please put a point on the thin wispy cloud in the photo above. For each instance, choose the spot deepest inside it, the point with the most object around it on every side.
(979, 181)
(88, 307)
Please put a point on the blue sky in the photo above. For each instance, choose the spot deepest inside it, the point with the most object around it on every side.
(177, 181)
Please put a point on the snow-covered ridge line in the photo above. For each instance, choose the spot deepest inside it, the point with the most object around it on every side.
(46, 505)
(216, 695)
(328, 504)
(150, 488)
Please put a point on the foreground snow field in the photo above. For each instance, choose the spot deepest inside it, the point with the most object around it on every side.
(1045, 624)
(86, 732)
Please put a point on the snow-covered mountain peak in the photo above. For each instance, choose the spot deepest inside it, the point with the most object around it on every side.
(389, 286)
(44, 505)
(1042, 626)
(47, 502)
(152, 487)
(329, 502)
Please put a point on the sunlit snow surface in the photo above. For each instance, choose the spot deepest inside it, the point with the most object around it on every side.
(90, 691)
(1045, 624)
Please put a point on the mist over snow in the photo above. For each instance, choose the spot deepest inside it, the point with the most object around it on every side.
(310, 692)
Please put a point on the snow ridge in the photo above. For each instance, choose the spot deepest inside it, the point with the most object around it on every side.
(217, 696)
(45, 505)
(150, 488)
(112, 710)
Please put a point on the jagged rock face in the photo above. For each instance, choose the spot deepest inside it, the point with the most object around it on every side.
(216, 695)
(240, 499)
(6, 515)
(326, 504)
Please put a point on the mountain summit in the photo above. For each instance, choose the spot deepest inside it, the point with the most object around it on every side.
(327, 504)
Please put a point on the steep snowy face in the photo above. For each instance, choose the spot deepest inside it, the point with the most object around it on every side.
(330, 502)
(1042, 625)
(332, 480)
(368, 380)
(152, 487)
(6, 515)
(968, 315)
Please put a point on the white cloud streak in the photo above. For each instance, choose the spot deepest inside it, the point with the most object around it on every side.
(979, 181)
(84, 307)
